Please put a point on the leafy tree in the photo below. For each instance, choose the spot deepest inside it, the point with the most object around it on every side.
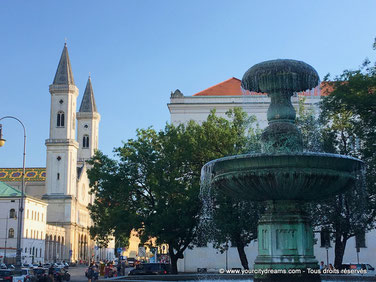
(348, 120)
(336, 132)
(235, 220)
(154, 184)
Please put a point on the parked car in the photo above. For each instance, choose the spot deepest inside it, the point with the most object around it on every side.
(41, 274)
(150, 269)
(28, 275)
(131, 262)
(3, 266)
(61, 274)
(6, 275)
(10, 266)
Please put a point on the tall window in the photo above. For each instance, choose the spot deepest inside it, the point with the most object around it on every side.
(11, 233)
(12, 213)
(85, 141)
(60, 119)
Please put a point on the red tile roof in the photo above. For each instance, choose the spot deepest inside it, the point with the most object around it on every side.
(232, 87)
(229, 87)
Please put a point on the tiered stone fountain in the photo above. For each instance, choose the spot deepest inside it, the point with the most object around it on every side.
(283, 175)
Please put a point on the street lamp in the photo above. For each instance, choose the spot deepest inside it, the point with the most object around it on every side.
(21, 205)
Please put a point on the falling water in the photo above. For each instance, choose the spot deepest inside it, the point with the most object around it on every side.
(206, 225)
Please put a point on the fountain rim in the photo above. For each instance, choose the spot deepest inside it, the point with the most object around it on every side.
(294, 154)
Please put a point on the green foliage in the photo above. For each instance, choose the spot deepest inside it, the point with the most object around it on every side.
(154, 183)
(348, 121)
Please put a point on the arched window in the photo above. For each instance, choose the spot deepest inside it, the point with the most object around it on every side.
(12, 213)
(11, 233)
(40, 252)
(60, 119)
(25, 250)
(85, 141)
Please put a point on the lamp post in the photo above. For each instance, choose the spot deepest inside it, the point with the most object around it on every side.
(21, 205)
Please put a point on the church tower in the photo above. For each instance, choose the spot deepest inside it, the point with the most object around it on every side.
(87, 125)
(62, 145)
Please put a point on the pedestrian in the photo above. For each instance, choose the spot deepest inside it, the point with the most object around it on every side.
(106, 271)
(51, 272)
(90, 273)
(331, 266)
(322, 265)
(123, 266)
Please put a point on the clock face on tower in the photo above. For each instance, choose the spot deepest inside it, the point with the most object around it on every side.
(86, 126)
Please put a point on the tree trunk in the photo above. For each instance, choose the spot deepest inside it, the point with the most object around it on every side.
(242, 255)
(339, 249)
(174, 259)
(174, 264)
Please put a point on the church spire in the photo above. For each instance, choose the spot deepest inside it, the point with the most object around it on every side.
(88, 101)
(64, 74)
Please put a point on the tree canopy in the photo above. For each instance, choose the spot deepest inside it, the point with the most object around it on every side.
(153, 185)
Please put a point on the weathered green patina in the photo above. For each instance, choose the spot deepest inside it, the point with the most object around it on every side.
(283, 175)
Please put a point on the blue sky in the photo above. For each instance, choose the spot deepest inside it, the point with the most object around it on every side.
(139, 51)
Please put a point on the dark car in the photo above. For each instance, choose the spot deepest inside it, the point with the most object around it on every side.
(6, 275)
(41, 274)
(61, 274)
(150, 269)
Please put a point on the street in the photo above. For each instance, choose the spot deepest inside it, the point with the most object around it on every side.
(77, 273)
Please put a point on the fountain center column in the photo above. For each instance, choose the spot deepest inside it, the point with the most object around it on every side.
(285, 240)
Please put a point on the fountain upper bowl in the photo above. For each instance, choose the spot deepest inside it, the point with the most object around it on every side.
(298, 176)
(279, 76)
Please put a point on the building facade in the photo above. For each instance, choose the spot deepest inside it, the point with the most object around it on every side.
(34, 222)
(222, 97)
(63, 184)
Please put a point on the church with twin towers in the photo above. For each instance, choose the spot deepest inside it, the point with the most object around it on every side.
(57, 196)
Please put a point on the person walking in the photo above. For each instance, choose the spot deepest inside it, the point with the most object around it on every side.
(51, 273)
(90, 273)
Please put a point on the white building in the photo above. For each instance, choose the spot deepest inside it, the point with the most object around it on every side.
(34, 221)
(63, 184)
(222, 97)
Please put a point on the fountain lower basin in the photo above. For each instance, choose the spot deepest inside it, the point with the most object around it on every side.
(297, 176)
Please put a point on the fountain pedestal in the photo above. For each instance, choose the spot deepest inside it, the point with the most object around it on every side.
(285, 242)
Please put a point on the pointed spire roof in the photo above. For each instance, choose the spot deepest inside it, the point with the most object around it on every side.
(64, 74)
(88, 101)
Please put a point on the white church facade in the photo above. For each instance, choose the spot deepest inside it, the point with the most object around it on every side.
(62, 187)
(222, 97)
